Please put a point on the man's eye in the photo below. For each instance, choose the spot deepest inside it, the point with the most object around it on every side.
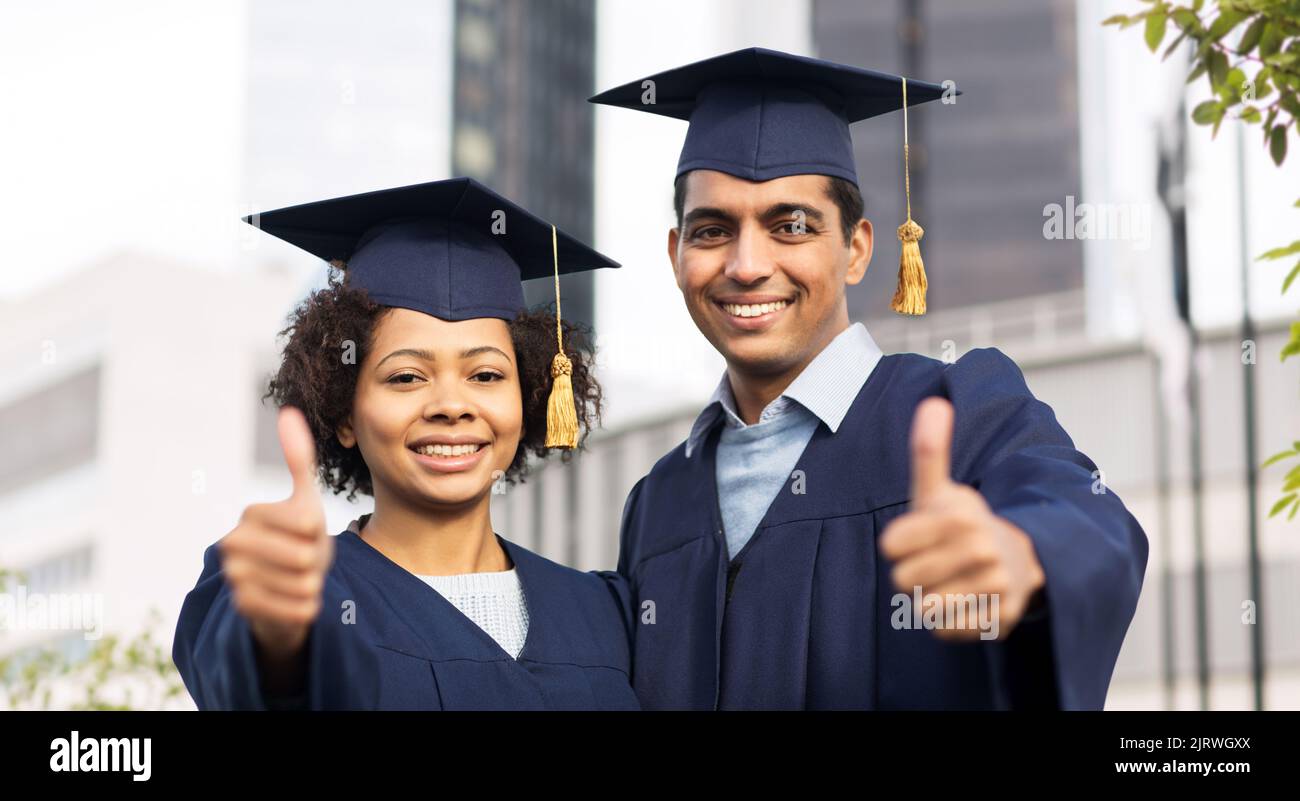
(794, 228)
(709, 232)
(404, 378)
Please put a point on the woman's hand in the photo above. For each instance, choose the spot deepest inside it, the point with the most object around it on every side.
(275, 561)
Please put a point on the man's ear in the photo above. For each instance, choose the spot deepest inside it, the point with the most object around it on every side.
(673, 236)
(860, 251)
(345, 435)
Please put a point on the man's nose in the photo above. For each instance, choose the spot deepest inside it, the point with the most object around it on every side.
(751, 259)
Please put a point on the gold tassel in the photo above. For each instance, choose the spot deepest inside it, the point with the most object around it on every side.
(909, 298)
(561, 410)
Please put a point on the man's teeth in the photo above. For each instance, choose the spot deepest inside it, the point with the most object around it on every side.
(447, 450)
(753, 309)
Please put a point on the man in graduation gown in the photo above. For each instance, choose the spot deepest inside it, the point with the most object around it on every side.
(789, 553)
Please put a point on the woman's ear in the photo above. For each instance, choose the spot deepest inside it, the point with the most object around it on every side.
(344, 434)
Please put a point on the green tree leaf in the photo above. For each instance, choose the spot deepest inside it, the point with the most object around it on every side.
(1281, 504)
(1155, 31)
(1292, 347)
(1289, 103)
(1185, 19)
(1174, 45)
(1226, 21)
(1277, 144)
(1286, 284)
(1218, 61)
(1206, 112)
(1234, 83)
(1282, 252)
(1250, 38)
(1277, 457)
(1270, 41)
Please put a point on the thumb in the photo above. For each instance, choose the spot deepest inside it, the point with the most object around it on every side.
(931, 446)
(299, 452)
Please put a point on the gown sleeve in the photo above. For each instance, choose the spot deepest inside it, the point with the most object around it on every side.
(621, 594)
(214, 651)
(618, 581)
(1009, 446)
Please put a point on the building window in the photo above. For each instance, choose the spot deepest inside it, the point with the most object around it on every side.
(51, 430)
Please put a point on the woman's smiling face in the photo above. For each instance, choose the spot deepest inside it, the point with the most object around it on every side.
(437, 411)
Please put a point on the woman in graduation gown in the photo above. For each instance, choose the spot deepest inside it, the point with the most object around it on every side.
(418, 377)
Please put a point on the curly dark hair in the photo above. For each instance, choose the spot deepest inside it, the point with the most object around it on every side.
(340, 319)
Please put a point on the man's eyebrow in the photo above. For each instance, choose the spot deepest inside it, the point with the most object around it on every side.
(707, 213)
(789, 209)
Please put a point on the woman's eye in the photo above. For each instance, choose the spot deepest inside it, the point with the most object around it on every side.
(485, 376)
(404, 378)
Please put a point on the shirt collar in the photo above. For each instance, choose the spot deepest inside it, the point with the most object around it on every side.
(826, 387)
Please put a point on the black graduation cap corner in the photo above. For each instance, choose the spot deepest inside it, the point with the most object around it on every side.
(761, 114)
(452, 249)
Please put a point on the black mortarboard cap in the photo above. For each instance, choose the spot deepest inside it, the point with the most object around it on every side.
(453, 249)
(761, 114)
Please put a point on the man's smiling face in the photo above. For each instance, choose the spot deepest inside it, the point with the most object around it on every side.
(763, 266)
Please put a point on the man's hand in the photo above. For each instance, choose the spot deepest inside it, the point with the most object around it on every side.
(276, 559)
(950, 541)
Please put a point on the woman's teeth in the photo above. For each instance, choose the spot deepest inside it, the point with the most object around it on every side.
(447, 450)
(753, 309)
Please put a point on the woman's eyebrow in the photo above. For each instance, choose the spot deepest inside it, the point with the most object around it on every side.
(470, 353)
(427, 356)
(416, 352)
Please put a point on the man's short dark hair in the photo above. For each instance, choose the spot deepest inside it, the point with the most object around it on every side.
(843, 193)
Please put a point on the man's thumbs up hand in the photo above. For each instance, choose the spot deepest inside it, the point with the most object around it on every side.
(931, 445)
(276, 559)
(950, 542)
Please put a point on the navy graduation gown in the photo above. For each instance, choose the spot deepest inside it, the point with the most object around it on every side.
(387, 640)
(801, 618)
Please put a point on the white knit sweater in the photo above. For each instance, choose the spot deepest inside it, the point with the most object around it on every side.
(494, 601)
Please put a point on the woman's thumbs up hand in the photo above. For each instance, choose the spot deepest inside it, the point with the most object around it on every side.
(276, 559)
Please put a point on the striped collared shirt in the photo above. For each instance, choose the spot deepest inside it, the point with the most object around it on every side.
(754, 461)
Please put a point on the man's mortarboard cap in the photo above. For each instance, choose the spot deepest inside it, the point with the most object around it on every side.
(760, 114)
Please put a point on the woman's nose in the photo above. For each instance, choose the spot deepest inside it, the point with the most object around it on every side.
(450, 405)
